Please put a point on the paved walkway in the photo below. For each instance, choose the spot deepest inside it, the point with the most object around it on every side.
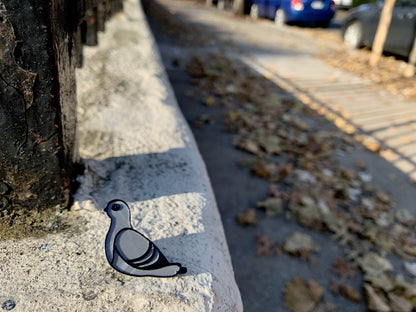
(287, 56)
(353, 102)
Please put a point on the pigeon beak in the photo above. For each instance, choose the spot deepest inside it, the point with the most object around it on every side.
(105, 209)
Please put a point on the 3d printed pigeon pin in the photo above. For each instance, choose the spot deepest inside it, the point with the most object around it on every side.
(131, 253)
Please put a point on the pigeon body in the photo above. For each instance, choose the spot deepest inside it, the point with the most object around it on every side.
(130, 252)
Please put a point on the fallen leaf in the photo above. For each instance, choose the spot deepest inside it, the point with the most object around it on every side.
(348, 291)
(374, 264)
(325, 307)
(375, 302)
(404, 216)
(300, 297)
(210, 101)
(343, 269)
(271, 144)
(300, 243)
(265, 247)
(264, 170)
(247, 145)
(399, 303)
(247, 217)
(380, 281)
(272, 206)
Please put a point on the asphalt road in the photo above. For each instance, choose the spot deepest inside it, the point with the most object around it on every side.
(287, 56)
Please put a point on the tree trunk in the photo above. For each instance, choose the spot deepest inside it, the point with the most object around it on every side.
(410, 67)
(382, 31)
(238, 7)
(40, 45)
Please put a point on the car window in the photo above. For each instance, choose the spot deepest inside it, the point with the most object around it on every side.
(405, 3)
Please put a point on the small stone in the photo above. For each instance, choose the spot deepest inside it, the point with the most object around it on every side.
(89, 295)
(8, 305)
(4, 189)
(4, 202)
(44, 247)
(365, 177)
(53, 225)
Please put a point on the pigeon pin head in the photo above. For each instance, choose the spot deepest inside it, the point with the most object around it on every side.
(129, 251)
(117, 209)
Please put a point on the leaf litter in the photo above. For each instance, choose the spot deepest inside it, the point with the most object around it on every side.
(294, 149)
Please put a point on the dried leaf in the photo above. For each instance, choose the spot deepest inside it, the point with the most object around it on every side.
(272, 206)
(375, 302)
(210, 101)
(265, 247)
(380, 281)
(343, 269)
(247, 145)
(300, 297)
(271, 144)
(399, 303)
(325, 307)
(307, 212)
(374, 264)
(348, 291)
(300, 243)
(264, 170)
(247, 217)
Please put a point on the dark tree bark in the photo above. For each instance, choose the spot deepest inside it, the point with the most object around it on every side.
(40, 46)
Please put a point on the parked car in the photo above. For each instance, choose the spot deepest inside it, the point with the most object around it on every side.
(360, 26)
(318, 12)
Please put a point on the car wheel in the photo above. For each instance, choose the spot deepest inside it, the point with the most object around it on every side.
(254, 11)
(279, 17)
(353, 35)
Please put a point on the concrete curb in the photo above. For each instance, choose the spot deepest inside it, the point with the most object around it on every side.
(135, 145)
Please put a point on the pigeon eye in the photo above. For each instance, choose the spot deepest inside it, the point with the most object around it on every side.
(116, 207)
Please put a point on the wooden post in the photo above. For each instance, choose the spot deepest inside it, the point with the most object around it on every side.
(40, 46)
(382, 31)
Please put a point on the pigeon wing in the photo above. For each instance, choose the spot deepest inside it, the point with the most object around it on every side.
(137, 250)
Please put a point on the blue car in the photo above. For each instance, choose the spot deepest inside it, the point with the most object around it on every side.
(317, 12)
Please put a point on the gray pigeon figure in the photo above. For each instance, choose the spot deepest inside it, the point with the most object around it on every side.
(130, 252)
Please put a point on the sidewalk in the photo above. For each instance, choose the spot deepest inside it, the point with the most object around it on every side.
(135, 145)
